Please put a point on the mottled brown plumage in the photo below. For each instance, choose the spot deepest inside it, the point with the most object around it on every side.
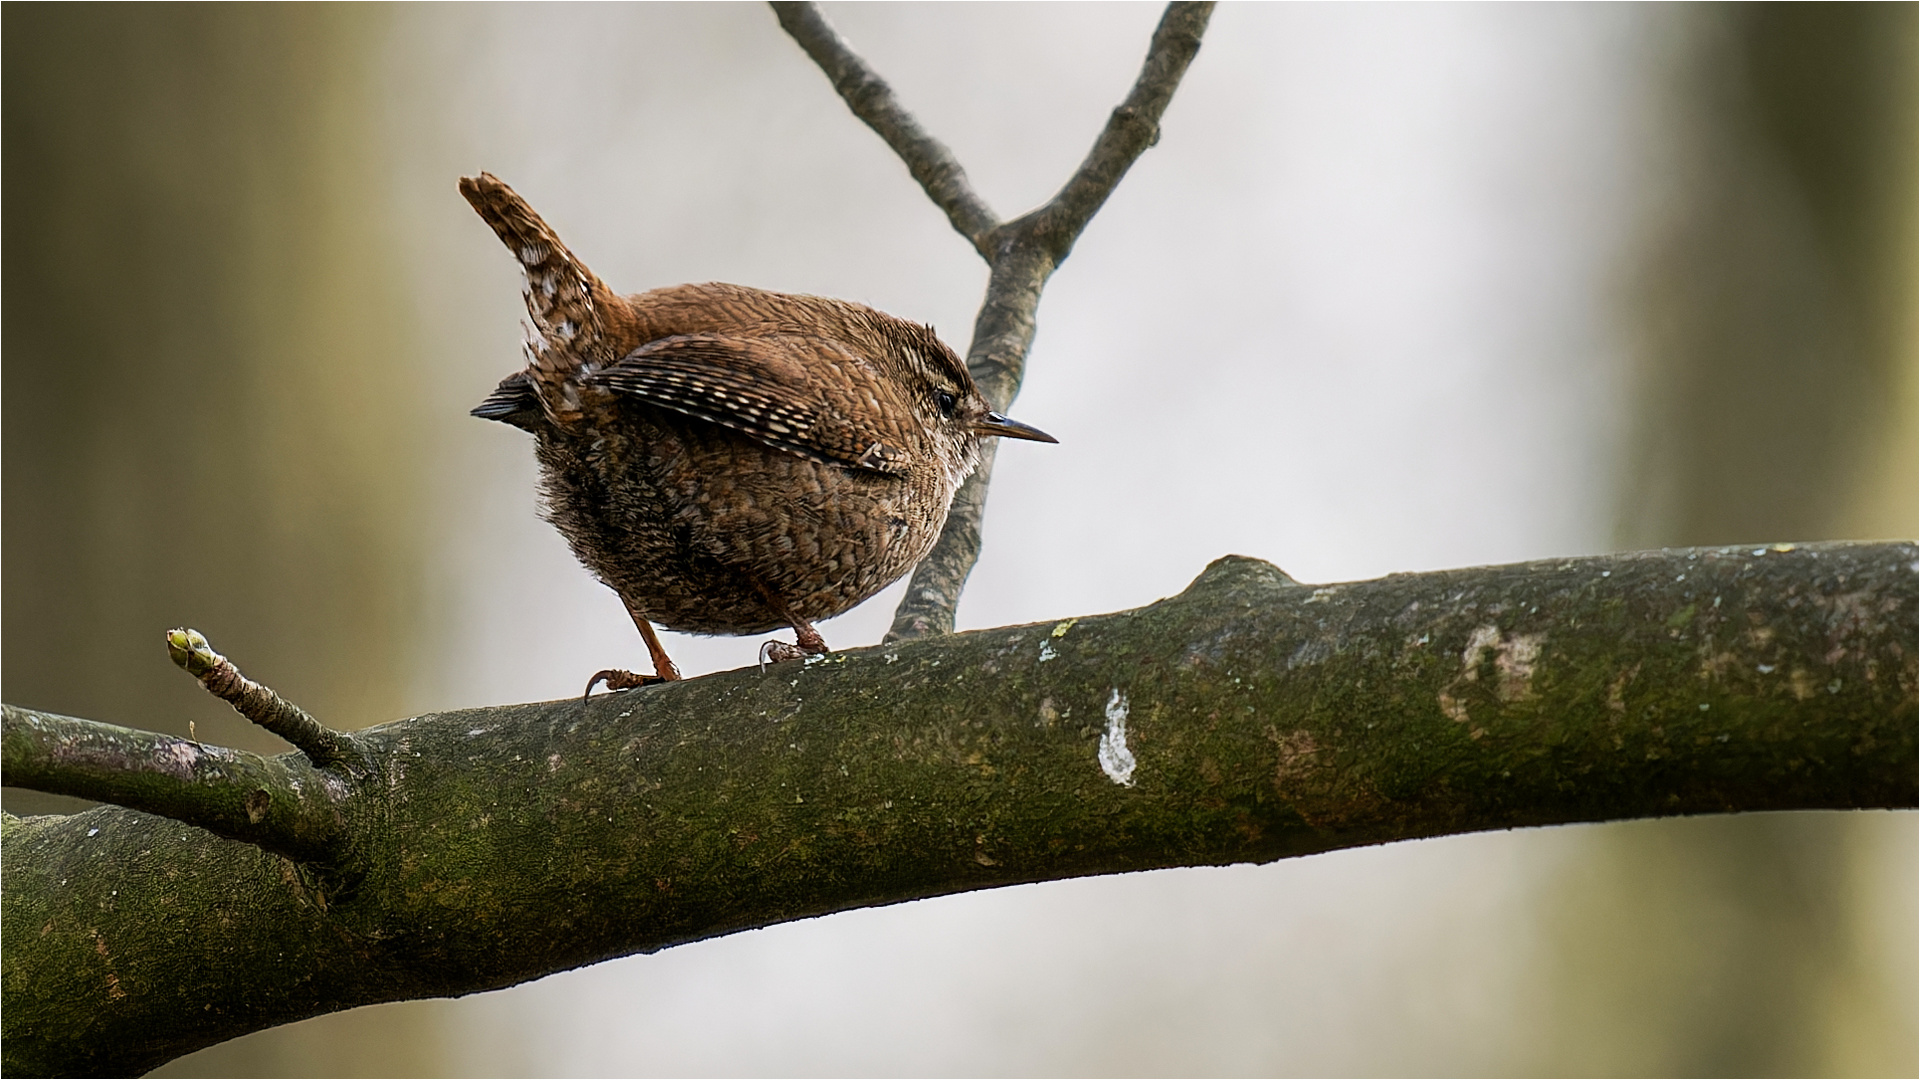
(730, 460)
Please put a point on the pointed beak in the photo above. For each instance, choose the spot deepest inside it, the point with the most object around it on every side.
(995, 424)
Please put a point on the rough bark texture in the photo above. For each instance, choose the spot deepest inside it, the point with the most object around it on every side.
(1248, 719)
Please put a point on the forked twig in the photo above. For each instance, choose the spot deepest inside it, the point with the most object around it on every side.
(1021, 254)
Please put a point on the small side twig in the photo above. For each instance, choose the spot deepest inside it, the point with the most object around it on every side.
(325, 747)
(276, 805)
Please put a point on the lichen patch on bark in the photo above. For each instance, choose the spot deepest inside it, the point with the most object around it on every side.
(1513, 657)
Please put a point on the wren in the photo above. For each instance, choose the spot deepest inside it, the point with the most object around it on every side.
(726, 459)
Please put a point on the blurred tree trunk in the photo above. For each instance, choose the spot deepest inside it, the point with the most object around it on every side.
(192, 431)
(1775, 399)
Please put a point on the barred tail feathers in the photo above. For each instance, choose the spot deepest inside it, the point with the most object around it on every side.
(564, 298)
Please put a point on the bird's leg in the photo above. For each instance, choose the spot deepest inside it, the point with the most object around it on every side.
(662, 663)
(664, 671)
(807, 640)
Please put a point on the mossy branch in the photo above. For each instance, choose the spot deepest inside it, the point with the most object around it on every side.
(279, 805)
(1248, 719)
(291, 807)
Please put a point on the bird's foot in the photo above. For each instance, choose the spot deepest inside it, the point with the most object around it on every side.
(618, 679)
(810, 643)
(779, 652)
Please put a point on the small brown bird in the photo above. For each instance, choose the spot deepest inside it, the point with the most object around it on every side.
(730, 460)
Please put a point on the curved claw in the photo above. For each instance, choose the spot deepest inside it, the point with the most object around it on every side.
(618, 679)
(779, 652)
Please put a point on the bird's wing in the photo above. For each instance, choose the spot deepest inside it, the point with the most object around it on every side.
(794, 393)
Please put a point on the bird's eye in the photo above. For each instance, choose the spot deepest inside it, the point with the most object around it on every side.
(947, 403)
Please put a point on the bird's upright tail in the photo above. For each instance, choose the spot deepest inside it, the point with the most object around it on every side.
(566, 302)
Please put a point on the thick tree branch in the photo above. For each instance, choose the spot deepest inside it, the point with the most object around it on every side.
(871, 99)
(1250, 718)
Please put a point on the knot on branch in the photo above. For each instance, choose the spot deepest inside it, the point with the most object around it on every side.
(1125, 115)
(1232, 578)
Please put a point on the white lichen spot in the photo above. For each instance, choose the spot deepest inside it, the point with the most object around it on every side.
(1513, 659)
(1764, 669)
(1046, 651)
(93, 832)
(1115, 759)
(476, 731)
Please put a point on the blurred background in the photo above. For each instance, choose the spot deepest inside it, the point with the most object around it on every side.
(1400, 288)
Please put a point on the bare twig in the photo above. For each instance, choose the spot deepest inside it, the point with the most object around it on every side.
(1022, 254)
(324, 747)
(278, 806)
(872, 100)
(1133, 127)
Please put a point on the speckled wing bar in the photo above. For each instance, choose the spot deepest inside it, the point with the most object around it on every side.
(741, 383)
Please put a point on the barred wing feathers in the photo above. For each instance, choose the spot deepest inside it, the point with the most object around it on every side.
(779, 390)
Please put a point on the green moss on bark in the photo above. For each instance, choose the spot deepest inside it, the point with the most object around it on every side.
(1248, 719)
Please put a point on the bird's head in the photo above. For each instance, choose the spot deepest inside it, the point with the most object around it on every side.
(946, 400)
